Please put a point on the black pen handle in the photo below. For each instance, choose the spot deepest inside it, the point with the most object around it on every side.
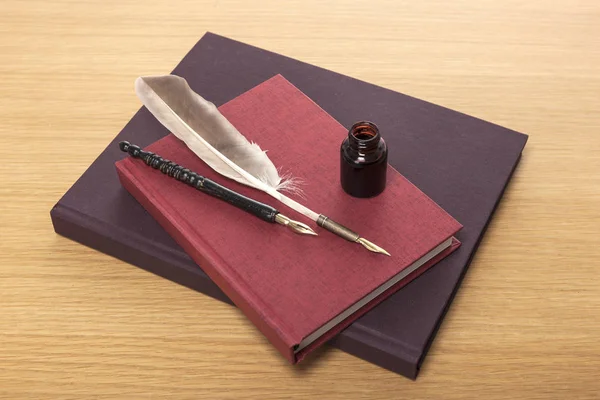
(261, 210)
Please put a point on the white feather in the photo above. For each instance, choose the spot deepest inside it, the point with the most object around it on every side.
(200, 125)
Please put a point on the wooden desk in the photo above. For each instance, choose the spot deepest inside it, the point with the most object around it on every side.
(76, 323)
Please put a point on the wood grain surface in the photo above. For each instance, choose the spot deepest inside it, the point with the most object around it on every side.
(75, 323)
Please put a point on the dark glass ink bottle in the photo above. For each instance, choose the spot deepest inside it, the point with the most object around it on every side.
(363, 161)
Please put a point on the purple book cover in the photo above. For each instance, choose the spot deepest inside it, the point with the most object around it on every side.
(461, 162)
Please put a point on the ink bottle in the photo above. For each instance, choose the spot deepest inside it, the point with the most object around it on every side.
(363, 161)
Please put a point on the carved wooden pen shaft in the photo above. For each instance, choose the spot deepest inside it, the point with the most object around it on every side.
(256, 208)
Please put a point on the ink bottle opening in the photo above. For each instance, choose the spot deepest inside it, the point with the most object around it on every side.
(363, 161)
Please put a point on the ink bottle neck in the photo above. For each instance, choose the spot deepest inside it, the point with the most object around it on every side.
(364, 143)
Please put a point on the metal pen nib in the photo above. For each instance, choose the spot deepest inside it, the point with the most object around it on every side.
(348, 234)
(296, 226)
(372, 246)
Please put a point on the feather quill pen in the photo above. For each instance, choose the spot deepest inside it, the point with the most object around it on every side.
(200, 125)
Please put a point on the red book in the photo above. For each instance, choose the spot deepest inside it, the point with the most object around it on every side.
(298, 290)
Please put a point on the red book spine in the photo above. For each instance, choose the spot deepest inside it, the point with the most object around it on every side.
(214, 266)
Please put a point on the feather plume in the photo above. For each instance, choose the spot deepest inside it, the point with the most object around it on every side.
(200, 125)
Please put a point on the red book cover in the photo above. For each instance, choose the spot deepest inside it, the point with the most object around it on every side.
(290, 285)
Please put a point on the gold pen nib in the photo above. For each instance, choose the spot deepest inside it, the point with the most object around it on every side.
(296, 226)
(372, 246)
(348, 234)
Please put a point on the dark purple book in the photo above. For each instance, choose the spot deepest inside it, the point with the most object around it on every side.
(461, 162)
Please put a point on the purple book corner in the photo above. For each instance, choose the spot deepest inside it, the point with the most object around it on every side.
(461, 162)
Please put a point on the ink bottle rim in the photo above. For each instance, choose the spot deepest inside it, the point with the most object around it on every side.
(364, 136)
